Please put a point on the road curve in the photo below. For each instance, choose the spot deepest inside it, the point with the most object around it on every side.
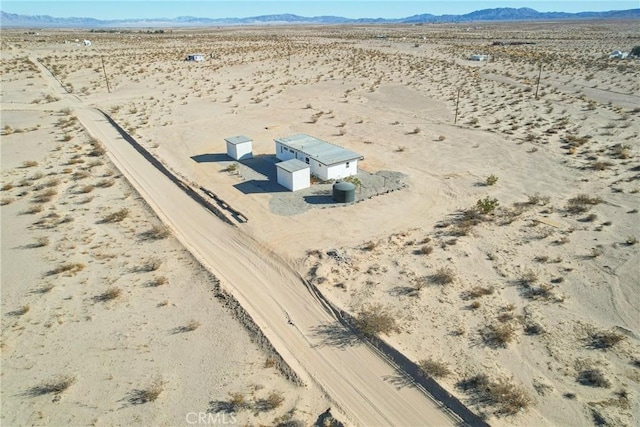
(355, 376)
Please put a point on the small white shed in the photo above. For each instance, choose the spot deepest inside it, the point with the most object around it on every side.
(195, 57)
(239, 147)
(294, 174)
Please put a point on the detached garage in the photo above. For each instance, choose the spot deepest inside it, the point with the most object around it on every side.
(294, 174)
(239, 147)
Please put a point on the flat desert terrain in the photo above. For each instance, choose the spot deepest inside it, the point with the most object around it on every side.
(494, 241)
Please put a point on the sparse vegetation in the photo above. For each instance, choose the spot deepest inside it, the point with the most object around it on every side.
(375, 320)
(491, 180)
(443, 276)
(116, 216)
(434, 368)
(148, 394)
(506, 397)
(56, 385)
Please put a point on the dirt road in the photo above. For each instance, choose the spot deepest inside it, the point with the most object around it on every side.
(365, 386)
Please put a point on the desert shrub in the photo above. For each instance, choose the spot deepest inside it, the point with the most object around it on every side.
(631, 240)
(151, 264)
(498, 335)
(507, 397)
(426, 249)
(44, 196)
(158, 281)
(581, 203)
(157, 232)
(443, 276)
(593, 378)
(479, 291)
(55, 385)
(370, 245)
(374, 320)
(116, 216)
(605, 340)
(491, 180)
(191, 325)
(434, 368)
(6, 187)
(231, 168)
(442, 138)
(29, 164)
(86, 189)
(271, 402)
(487, 205)
(69, 268)
(110, 294)
(105, 183)
(148, 394)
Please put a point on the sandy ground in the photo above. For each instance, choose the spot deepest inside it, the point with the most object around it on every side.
(554, 273)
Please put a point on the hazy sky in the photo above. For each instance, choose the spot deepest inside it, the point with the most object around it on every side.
(117, 9)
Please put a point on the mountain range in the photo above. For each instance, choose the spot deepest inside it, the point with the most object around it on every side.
(499, 14)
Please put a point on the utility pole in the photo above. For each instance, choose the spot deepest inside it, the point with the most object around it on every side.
(105, 74)
(455, 120)
(538, 84)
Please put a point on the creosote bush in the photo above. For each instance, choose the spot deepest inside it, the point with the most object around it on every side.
(434, 368)
(374, 320)
(605, 340)
(487, 205)
(116, 216)
(149, 394)
(491, 180)
(506, 397)
(55, 385)
(443, 276)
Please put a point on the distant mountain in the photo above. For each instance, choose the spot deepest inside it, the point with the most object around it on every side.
(499, 14)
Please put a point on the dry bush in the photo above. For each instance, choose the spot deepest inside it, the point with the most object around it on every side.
(158, 281)
(487, 205)
(369, 246)
(192, 325)
(593, 378)
(271, 402)
(86, 189)
(68, 268)
(149, 394)
(6, 201)
(581, 203)
(442, 138)
(605, 340)
(374, 320)
(6, 187)
(40, 242)
(110, 294)
(29, 164)
(434, 368)
(116, 216)
(55, 385)
(479, 291)
(443, 276)
(152, 264)
(104, 183)
(426, 250)
(506, 397)
(498, 335)
(157, 232)
(491, 180)
(44, 196)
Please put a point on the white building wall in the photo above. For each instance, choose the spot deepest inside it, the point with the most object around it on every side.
(240, 151)
(285, 179)
(342, 170)
(300, 179)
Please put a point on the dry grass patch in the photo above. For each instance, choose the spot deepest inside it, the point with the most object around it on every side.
(443, 276)
(116, 216)
(581, 203)
(157, 232)
(605, 339)
(68, 269)
(55, 385)
(110, 294)
(593, 378)
(29, 164)
(148, 394)
(498, 335)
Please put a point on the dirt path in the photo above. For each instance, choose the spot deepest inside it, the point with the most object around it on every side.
(356, 377)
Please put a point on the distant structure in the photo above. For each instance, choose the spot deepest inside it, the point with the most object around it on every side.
(326, 161)
(239, 147)
(477, 57)
(86, 42)
(294, 174)
(616, 54)
(195, 57)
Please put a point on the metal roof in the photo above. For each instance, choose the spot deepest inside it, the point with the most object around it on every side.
(292, 165)
(319, 150)
(237, 139)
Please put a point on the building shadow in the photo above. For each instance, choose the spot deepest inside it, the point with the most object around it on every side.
(317, 199)
(211, 158)
(256, 186)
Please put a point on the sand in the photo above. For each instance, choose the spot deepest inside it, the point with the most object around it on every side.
(556, 277)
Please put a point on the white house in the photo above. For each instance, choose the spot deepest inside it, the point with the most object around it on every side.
(326, 161)
(86, 42)
(195, 57)
(239, 147)
(294, 174)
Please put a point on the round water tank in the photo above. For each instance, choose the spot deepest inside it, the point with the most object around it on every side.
(344, 192)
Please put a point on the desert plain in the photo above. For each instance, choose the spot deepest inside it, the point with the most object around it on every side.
(503, 261)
